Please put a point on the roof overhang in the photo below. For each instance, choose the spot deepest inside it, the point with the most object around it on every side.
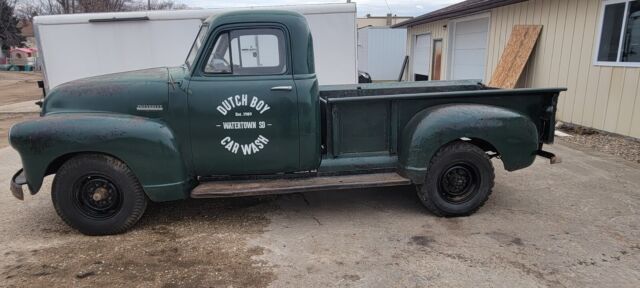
(457, 10)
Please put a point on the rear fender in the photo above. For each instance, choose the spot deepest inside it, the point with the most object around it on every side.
(148, 147)
(513, 135)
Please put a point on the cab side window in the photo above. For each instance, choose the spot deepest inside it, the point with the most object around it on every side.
(220, 61)
(248, 52)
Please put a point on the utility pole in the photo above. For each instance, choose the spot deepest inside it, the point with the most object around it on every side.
(148, 4)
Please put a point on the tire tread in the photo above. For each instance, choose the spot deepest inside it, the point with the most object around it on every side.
(77, 162)
(447, 149)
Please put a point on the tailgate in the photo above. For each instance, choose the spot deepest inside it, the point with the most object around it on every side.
(547, 125)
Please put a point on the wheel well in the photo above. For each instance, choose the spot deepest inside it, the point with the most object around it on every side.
(482, 144)
(55, 165)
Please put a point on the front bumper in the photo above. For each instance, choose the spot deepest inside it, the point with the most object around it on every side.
(17, 181)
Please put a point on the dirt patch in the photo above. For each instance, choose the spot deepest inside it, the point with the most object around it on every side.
(19, 87)
(422, 241)
(624, 147)
(9, 119)
(183, 244)
(505, 239)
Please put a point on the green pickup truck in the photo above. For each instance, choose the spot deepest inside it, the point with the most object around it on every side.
(245, 116)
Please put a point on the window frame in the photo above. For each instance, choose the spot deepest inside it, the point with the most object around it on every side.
(195, 40)
(229, 30)
(618, 62)
(215, 41)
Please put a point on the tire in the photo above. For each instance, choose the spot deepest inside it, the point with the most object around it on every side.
(458, 182)
(98, 195)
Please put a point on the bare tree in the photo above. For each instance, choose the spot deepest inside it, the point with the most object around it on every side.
(103, 6)
(30, 8)
(27, 9)
(165, 5)
(9, 33)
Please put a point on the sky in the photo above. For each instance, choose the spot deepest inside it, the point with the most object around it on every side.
(373, 7)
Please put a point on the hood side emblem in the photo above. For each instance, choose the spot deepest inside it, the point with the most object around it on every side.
(149, 107)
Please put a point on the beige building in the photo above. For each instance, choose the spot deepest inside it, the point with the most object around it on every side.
(381, 21)
(592, 47)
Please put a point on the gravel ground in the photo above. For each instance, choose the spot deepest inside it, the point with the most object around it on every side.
(624, 147)
(188, 244)
(7, 120)
(19, 86)
(545, 226)
(179, 244)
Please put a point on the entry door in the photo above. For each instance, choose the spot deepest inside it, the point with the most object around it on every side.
(243, 106)
(469, 49)
(436, 70)
(421, 57)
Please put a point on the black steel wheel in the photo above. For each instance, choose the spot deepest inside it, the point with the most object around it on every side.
(98, 195)
(458, 182)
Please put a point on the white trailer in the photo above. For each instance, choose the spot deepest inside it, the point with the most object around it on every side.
(82, 45)
(381, 52)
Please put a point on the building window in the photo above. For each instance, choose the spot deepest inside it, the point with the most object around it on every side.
(619, 42)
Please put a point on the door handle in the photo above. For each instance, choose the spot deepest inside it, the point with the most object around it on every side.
(281, 88)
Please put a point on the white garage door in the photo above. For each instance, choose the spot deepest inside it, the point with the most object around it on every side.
(421, 60)
(469, 49)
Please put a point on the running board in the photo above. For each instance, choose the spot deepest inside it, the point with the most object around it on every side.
(235, 188)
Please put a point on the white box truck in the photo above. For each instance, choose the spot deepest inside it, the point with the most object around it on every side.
(381, 52)
(76, 46)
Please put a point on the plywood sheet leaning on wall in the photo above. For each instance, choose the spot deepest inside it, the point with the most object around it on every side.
(515, 56)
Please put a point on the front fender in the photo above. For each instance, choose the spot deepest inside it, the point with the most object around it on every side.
(513, 135)
(148, 147)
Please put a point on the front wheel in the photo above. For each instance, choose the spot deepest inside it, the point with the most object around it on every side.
(98, 195)
(458, 181)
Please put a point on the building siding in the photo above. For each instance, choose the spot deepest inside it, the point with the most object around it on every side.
(602, 97)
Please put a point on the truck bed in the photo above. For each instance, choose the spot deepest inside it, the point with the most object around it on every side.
(388, 107)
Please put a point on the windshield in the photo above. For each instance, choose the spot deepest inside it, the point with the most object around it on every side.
(196, 45)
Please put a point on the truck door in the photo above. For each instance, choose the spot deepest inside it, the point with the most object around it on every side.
(243, 104)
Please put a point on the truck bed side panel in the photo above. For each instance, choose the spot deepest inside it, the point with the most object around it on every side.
(517, 121)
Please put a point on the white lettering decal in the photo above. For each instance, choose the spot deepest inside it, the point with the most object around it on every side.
(238, 125)
(260, 105)
(226, 105)
(240, 101)
(247, 149)
(266, 107)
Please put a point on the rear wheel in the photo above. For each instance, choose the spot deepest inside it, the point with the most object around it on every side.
(458, 181)
(98, 195)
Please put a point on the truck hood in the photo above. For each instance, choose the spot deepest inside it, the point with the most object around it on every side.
(141, 92)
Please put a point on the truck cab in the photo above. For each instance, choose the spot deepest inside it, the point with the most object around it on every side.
(244, 115)
(253, 95)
